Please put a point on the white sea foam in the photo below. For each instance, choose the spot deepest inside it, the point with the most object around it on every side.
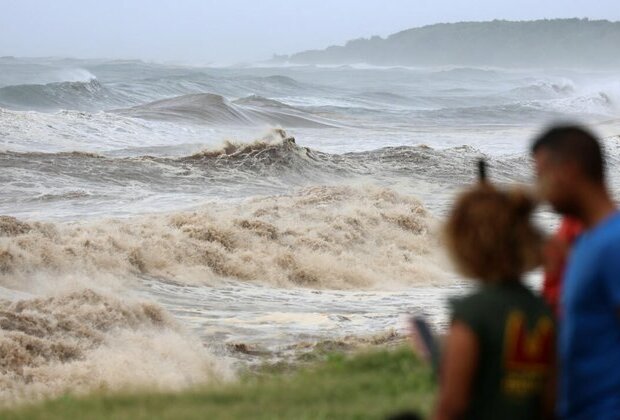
(322, 237)
(84, 341)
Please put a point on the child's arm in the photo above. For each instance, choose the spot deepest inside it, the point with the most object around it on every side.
(459, 363)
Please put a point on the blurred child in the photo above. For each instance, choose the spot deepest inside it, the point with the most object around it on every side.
(499, 351)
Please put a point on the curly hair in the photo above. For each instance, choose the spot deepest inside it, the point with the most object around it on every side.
(490, 236)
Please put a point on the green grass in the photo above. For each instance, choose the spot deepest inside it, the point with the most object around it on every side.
(367, 385)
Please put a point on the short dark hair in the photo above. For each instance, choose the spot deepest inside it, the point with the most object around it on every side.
(574, 143)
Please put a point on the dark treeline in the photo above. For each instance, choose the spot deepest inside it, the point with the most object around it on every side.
(573, 43)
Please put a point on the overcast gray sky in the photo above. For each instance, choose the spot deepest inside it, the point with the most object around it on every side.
(202, 31)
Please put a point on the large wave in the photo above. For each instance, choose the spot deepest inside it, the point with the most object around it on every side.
(206, 108)
(84, 95)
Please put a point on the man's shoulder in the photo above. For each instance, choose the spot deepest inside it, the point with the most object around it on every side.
(612, 224)
(607, 238)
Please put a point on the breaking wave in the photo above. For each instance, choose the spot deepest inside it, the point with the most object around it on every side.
(273, 164)
(84, 341)
(320, 237)
(89, 94)
(544, 90)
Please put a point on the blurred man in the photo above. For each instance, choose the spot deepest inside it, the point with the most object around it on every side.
(571, 177)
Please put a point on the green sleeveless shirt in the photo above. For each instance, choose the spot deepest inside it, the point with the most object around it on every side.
(516, 336)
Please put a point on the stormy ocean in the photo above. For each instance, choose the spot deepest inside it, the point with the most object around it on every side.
(161, 225)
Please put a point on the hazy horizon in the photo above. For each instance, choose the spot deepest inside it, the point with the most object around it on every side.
(201, 32)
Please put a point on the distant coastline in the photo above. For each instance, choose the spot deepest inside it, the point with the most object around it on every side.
(567, 43)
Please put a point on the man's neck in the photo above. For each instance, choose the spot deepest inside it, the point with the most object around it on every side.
(597, 206)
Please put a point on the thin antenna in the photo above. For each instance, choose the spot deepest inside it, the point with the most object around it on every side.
(482, 170)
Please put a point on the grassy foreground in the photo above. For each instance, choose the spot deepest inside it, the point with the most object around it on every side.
(364, 386)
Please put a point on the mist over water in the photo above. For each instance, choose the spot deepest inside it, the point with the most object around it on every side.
(261, 208)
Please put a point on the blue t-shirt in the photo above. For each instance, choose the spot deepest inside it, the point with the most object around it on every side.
(589, 339)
